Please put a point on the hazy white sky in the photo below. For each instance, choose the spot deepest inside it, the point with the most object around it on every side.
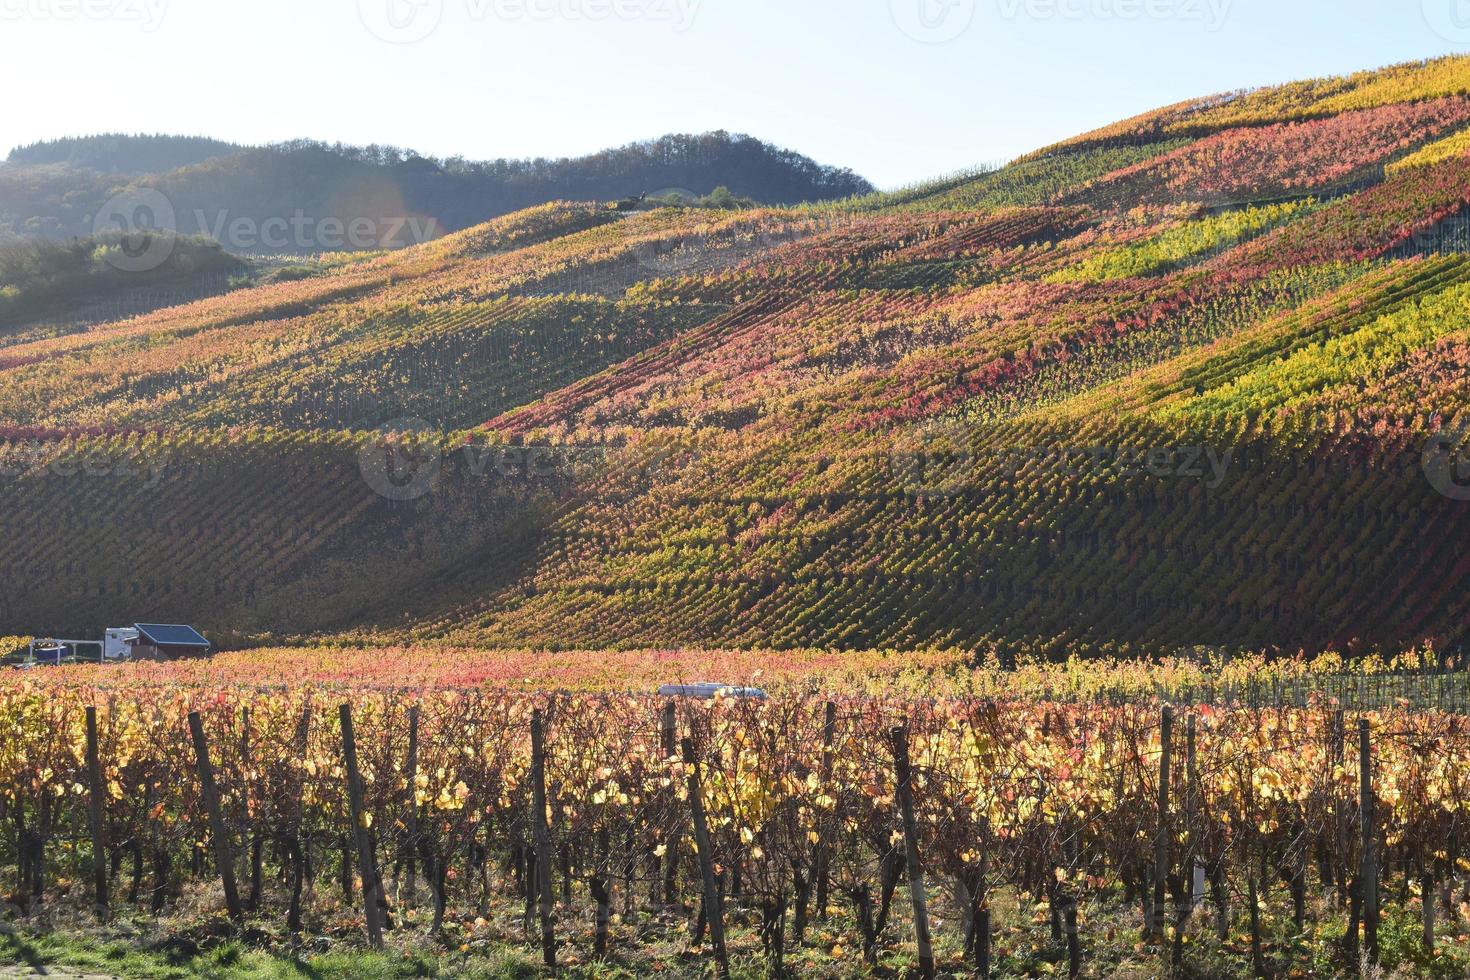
(899, 90)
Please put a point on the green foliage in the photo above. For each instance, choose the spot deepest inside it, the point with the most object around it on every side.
(1400, 936)
(1354, 351)
(291, 273)
(1061, 386)
(722, 197)
(1180, 245)
(39, 275)
(231, 960)
(1451, 146)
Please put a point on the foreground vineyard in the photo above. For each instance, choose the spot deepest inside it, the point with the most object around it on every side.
(1219, 833)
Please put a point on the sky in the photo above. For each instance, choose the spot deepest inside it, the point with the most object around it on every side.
(898, 90)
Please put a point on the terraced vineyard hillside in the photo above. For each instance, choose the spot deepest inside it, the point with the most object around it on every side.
(1200, 378)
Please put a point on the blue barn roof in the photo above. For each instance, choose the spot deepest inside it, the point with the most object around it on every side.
(159, 635)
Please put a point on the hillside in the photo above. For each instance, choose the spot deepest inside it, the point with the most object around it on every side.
(316, 192)
(1194, 380)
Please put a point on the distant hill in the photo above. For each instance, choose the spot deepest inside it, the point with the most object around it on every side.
(397, 197)
(121, 153)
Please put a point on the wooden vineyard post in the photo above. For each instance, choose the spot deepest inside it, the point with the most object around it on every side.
(714, 912)
(1191, 793)
(96, 794)
(822, 860)
(1258, 955)
(669, 746)
(1161, 842)
(296, 846)
(223, 854)
(257, 843)
(1191, 772)
(412, 767)
(1369, 873)
(542, 838)
(1336, 758)
(1074, 939)
(1189, 869)
(900, 738)
(360, 832)
(1426, 891)
(982, 944)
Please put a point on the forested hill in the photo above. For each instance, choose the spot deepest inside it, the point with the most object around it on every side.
(56, 189)
(122, 153)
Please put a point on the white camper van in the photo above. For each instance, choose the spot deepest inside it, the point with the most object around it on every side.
(116, 644)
